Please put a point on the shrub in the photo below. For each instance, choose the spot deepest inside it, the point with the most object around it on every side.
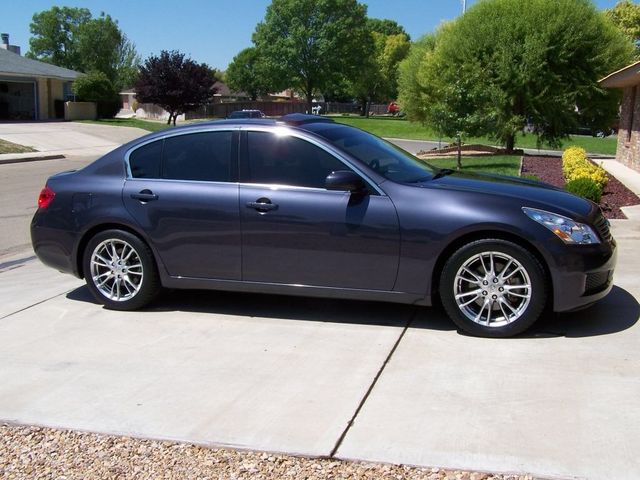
(585, 187)
(96, 87)
(572, 157)
(575, 165)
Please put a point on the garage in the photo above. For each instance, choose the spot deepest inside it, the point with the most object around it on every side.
(17, 100)
(30, 89)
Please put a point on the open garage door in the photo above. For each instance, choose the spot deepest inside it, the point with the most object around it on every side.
(17, 100)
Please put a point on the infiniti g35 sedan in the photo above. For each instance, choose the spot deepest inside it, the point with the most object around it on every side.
(306, 206)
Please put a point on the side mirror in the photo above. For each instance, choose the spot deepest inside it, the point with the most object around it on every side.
(345, 180)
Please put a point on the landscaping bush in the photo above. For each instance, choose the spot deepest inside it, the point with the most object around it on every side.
(96, 87)
(585, 187)
(576, 165)
(572, 157)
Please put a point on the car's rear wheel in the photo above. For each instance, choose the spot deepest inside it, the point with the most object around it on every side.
(493, 288)
(120, 270)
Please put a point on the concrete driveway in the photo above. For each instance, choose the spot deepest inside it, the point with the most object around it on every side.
(68, 138)
(354, 379)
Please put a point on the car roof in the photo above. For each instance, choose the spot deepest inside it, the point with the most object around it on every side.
(295, 120)
(292, 119)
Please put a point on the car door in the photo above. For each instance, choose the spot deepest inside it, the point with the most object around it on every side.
(183, 192)
(294, 231)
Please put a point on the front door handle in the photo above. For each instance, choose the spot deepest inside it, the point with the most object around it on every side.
(262, 205)
(145, 195)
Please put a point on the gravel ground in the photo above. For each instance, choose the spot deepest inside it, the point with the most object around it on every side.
(549, 170)
(44, 453)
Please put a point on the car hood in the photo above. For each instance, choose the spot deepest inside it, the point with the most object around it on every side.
(529, 192)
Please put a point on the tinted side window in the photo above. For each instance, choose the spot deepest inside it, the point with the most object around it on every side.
(202, 156)
(287, 161)
(145, 161)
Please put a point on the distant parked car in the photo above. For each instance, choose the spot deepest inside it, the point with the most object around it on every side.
(246, 114)
(307, 206)
(393, 108)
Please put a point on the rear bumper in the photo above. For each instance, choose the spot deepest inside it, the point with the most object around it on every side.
(583, 275)
(55, 247)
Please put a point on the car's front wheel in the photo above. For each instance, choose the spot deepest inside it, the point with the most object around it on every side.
(120, 270)
(493, 288)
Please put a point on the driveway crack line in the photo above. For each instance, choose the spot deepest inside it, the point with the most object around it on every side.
(37, 303)
(364, 399)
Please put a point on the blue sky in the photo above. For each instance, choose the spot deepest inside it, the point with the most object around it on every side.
(213, 31)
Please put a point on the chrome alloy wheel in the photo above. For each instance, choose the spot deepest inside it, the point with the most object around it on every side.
(116, 270)
(492, 289)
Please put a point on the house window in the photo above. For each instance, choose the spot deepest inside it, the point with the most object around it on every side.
(67, 92)
(632, 112)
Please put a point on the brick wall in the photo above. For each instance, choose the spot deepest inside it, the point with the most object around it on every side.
(629, 132)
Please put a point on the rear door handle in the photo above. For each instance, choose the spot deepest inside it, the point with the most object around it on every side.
(144, 196)
(262, 205)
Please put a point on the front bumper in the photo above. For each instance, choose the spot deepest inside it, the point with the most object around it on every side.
(582, 275)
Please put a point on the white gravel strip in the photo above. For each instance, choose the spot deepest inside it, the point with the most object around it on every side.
(28, 452)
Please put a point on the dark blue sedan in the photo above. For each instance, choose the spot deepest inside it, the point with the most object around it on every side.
(306, 206)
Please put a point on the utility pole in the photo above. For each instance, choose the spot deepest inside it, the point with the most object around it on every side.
(464, 6)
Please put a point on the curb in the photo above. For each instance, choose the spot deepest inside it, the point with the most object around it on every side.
(38, 158)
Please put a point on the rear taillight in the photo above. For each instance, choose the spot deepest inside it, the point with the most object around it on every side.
(46, 197)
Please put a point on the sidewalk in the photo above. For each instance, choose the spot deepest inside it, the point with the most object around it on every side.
(627, 176)
(61, 139)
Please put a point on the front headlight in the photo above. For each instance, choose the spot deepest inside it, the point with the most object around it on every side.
(568, 230)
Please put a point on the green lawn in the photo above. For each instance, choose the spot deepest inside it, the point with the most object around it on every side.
(130, 122)
(8, 147)
(397, 128)
(498, 164)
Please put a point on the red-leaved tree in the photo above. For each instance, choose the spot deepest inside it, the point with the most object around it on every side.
(175, 83)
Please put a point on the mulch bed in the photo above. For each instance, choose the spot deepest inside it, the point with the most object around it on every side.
(549, 170)
(466, 149)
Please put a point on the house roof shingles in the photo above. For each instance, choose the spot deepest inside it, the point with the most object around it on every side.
(17, 65)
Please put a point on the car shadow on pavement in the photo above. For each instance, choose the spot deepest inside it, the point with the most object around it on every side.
(286, 308)
(617, 312)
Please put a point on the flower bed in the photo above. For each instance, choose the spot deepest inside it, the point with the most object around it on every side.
(549, 170)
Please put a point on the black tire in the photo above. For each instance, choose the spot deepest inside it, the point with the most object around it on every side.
(138, 292)
(528, 313)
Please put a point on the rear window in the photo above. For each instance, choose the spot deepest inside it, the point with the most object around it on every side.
(145, 161)
(202, 156)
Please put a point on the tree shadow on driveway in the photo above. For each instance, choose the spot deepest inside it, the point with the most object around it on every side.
(617, 312)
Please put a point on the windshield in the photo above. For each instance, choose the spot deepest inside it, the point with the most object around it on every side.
(385, 158)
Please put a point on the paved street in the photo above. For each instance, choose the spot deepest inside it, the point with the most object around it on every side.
(289, 374)
(21, 184)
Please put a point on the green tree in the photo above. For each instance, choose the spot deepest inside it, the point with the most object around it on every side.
(54, 35)
(176, 83)
(539, 67)
(98, 44)
(386, 27)
(71, 38)
(128, 64)
(246, 74)
(309, 44)
(453, 114)
(378, 79)
(411, 86)
(626, 16)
